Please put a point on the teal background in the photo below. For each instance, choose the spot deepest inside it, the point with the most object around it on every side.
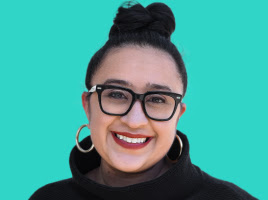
(45, 47)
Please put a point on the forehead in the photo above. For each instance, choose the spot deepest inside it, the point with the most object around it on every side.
(139, 66)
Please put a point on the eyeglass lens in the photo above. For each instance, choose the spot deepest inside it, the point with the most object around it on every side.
(117, 101)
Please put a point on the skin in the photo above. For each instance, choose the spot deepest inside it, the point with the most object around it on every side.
(120, 166)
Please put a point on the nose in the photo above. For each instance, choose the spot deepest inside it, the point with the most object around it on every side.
(135, 118)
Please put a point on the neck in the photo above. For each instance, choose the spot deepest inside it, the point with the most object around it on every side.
(109, 176)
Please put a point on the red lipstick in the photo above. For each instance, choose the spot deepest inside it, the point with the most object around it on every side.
(128, 145)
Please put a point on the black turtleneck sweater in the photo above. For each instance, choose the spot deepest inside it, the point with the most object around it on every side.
(183, 181)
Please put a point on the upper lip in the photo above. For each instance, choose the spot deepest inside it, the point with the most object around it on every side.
(131, 135)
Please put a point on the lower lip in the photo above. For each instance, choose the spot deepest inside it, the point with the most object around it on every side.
(130, 145)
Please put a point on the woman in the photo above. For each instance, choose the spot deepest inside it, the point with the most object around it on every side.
(136, 83)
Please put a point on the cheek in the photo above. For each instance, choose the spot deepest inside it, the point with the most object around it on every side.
(99, 124)
(167, 128)
(97, 118)
(165, 133)
(99, 127)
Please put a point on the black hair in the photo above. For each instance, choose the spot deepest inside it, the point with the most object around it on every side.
(136, 25)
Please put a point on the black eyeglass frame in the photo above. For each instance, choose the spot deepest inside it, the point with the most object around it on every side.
(100, 88)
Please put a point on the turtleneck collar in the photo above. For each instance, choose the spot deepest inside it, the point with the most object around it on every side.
(181, 180)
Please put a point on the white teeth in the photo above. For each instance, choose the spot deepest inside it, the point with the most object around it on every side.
(131, 140)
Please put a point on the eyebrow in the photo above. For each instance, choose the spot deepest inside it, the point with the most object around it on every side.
(158, 87)
(117, 81)
(126, 83)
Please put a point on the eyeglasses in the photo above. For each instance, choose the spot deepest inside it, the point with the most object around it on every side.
(118, 101)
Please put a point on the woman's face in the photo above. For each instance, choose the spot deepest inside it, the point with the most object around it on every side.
(140, 68)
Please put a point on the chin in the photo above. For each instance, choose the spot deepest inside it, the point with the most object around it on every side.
(129, 167)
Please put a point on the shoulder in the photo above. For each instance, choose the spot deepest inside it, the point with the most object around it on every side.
(64, 189)
(215, 188)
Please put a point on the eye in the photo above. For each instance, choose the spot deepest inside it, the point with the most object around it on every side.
(117, 95)
(156, 100)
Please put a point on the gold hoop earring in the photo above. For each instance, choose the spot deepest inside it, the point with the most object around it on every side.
(181, 145)
(77, 143)
(180, 148)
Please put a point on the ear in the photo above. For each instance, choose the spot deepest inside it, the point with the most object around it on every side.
(182, 110)
(85, 103)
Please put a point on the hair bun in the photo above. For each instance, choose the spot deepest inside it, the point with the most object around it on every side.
(156, 17)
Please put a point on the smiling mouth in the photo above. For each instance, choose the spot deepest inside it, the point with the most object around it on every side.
(131, 142)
